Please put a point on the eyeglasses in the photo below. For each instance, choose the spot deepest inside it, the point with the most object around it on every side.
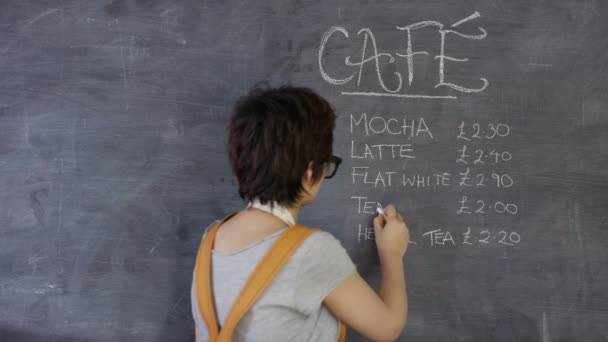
(332, 166)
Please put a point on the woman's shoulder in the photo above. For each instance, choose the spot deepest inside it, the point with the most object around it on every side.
(321, 240)
(321, 247)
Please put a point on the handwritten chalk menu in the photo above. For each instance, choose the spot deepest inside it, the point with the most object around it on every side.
(466, 179)
(485, 123)
(479, 178)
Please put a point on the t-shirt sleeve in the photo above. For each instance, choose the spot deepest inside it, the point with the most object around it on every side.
(325, 264)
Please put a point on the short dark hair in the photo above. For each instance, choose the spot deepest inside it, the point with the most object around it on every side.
(272, 135)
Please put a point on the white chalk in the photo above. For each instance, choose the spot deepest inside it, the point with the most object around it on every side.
(379, 209)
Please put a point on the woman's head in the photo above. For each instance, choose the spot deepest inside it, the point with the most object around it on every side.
(279, 141)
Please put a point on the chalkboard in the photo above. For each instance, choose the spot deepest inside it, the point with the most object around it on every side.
(485, 122)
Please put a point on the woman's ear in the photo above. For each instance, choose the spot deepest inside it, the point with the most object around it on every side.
(309, 172)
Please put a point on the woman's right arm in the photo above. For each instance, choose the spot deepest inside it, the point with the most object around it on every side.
(378, 316)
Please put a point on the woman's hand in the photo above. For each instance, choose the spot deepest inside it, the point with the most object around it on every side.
(391, 233)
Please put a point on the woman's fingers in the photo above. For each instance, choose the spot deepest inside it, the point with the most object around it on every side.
(379, 221)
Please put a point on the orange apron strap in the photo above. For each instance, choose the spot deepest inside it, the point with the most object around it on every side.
(262, 276)
(342, 336)
(202, 281)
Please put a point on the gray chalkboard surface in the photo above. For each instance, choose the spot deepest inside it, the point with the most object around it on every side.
(485, 122)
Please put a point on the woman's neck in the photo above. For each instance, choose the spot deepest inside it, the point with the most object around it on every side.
(294, 212)
(288, 215)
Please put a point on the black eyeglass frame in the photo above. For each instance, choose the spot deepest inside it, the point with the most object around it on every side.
(337, 160)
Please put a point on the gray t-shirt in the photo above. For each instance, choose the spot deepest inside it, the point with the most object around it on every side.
(291, 308)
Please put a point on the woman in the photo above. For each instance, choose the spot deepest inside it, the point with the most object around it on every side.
(280, 149)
